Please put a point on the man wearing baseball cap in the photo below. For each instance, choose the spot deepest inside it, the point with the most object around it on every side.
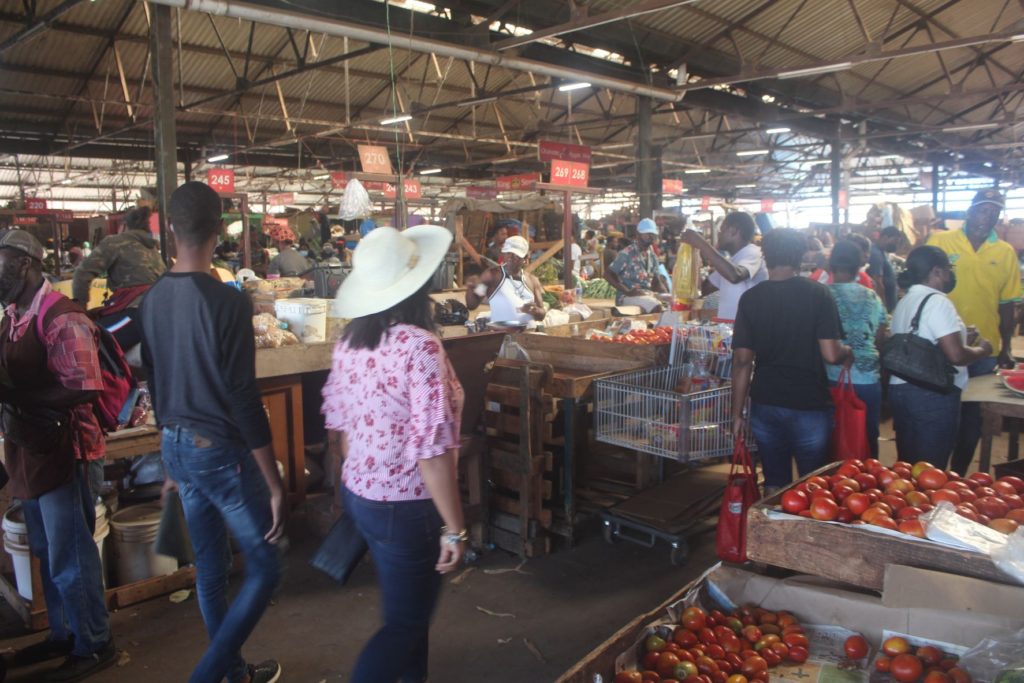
(49, 374)
(634, 272)
(513, 295)
(987, 290)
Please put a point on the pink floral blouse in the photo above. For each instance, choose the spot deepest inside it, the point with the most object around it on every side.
(397, 404)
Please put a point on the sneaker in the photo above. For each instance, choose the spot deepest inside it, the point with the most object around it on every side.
(77, 668)
(42, 651)
(265, 672)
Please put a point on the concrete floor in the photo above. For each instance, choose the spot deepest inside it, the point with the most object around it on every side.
(565, 604)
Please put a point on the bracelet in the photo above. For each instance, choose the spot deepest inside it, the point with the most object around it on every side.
(451, 538)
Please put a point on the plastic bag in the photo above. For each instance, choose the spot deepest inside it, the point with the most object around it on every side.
(996, 659)
(1010, 560)
(356, 202)
(686, 275)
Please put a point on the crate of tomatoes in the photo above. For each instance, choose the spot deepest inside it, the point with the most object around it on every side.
(737, 626)
(850, 519)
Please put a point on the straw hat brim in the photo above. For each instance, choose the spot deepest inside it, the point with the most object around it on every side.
(357, 297)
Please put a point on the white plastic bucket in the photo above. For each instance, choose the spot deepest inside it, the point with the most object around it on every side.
(22, 560)
(14, 525)
(133, 534)
(307, 318)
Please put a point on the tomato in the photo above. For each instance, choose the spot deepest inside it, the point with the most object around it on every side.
(866, 481)
(716, 651)
(841, 492)
(731, 643)
(795, 639)
(781, 649)
(883, 664)
(1016, 515)
(654, 643)
(684, 636)
(981, 478)
(958, 675)
(1013, 501)
(1015, 482)
(685, 669)
(945, 495)
(912, 527)
(725, 666)
(920, 467)
(751, 665)
(650, 676)
(821, 482)
(897, 503)
(667, 663)
(917, 498)
(824, 509)
(848, 469)
(629, 677)
(736, 678)
(793, 501)
(906, 668)
(937, 677)
(856, 647)
(706, 665)
(1003, 488)
(650, 660)
(1002, 525)
(752, 633)
(771, 657)
(798, 654)
(896, 645)
(693, 618)
(899, 487)
(885, 522)
(707, 636)
(929, 655)
(932, 479)
(909, 512)
(992, 507)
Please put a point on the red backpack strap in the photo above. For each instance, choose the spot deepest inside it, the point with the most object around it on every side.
(44, 307)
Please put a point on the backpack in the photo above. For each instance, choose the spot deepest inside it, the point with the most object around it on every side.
(114, 403)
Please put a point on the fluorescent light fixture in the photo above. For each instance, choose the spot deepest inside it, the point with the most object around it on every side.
(752, 152)
(744, 187)
(481, 100)
(1017, 38)
(505, 160)
(694, 171)
(569, 87)
(430, 171)
(397, 119)
(218, 157)
(815, 70)
(773, 131)
(322, 176)
(975, 126)
(66, 181)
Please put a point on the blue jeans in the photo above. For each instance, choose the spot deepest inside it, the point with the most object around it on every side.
(970, 421)
(222, 489)
(404, 540)
(925, 422)
(69, 564)
(871, 394)
(785, 433)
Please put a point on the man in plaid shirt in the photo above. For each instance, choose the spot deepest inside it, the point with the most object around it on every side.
(49, 374)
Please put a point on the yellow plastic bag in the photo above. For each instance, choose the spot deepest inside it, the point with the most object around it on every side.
(686, 275)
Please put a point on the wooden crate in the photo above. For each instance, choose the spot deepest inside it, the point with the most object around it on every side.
(515, 419)
(848, 553)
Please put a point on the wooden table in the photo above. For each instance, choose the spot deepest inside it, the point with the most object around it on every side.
(996, 402)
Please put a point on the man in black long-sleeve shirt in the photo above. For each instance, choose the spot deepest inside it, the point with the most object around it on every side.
(199, 350)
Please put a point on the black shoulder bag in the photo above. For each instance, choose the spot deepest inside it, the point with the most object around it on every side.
(917, 360)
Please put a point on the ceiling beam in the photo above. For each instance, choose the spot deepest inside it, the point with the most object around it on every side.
(37, 26)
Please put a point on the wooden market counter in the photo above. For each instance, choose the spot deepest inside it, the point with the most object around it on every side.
(996, 402)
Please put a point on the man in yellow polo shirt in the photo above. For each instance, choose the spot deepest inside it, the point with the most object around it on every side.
(987, 287)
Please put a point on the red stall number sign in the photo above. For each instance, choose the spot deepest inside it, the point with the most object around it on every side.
(221, 180)
(569, 173)
(411, 188)
(767, 205)
(35, 204)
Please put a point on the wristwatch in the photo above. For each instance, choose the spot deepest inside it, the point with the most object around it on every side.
(451, 538)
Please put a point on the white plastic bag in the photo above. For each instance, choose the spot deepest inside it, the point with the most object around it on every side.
(1010, 559)
(356, 202)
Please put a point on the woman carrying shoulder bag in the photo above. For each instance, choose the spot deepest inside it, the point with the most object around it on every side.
(926, 420)
(393, 395)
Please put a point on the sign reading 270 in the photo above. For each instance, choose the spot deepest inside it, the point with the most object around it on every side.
(569, 173)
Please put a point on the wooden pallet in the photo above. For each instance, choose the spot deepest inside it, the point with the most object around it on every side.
(516, 419)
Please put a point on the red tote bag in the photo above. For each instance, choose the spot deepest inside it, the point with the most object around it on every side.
(850, 434)
(741, 491)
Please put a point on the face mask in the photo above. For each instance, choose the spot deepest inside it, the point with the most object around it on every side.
(304, 252)
(11, 283)
(950, 284)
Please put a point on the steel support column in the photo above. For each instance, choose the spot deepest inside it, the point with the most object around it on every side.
(837, 176)
(165, 137)
(935, 188)
(644, 158)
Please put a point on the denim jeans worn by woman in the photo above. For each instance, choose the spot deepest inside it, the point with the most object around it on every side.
(222, 489)
(784, 432)
(403, 537)
(926, 423)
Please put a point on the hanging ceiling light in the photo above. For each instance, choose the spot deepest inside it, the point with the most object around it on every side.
(569, 87)
(218, 157)
(402, 118)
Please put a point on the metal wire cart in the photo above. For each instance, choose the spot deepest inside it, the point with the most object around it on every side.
(681, 412)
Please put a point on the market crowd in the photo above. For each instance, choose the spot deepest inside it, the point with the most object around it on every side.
(808, 314)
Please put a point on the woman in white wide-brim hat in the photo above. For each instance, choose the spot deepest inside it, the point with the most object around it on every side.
(394, 398)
